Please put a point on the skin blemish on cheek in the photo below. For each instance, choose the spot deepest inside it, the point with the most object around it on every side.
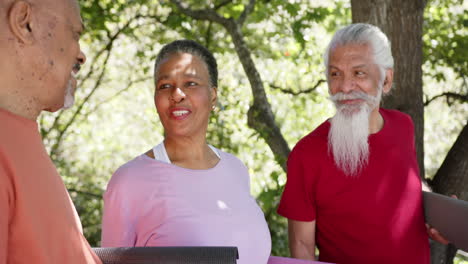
(62, 50)
(52, 24)
(51, 63)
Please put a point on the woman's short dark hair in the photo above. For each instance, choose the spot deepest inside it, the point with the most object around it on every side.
(191, 47)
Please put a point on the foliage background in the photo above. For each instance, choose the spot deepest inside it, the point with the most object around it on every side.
(115, 120)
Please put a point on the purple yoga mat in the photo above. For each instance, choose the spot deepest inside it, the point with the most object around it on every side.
(283, 260)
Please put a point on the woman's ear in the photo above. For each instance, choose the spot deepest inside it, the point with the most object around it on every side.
(388, 81)
(20, 22)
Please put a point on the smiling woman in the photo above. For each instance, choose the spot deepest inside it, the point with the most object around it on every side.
(184, 98)
(184, 192)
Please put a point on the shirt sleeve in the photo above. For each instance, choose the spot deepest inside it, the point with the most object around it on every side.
(6, 200)
(118, 224)
(297, 201)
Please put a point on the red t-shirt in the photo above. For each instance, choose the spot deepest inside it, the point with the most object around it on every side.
(375, 217)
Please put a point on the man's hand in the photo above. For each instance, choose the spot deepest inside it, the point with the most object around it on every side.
(435, 235)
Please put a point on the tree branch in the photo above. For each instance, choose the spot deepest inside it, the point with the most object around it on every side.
(289, 91)
(218, 6)
(247, 10)
(129, 85)
(463, 98)
(87, 76)
(108, 47)
(208, 35)
(62, 132)
(207, 14)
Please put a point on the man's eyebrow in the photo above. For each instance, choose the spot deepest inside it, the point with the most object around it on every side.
(360, 65)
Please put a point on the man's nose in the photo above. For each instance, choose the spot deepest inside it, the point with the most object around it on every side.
(348, 85)
(81, 58)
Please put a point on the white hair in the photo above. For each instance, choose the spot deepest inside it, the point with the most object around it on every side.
(361, 33)
(69, 94)
(349, 131)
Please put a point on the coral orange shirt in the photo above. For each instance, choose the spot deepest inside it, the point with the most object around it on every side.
(38, 222)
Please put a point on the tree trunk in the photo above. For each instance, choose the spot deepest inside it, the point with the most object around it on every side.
(402, 22)
(452, 178)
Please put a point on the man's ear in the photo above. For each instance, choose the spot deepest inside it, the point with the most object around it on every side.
(214, 95)
(19, 19)
(388, 81)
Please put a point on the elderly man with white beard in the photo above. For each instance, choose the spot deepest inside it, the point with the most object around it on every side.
(353, 188)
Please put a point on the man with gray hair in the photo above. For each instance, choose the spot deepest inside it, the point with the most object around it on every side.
(40, 51)
(353, 187)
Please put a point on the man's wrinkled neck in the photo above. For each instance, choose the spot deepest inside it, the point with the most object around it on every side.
(23, 107)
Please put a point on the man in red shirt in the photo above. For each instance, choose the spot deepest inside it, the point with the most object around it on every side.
(40, 54)
(353, 187)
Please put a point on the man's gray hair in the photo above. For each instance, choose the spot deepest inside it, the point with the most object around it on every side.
(191, 47)
(361, 33)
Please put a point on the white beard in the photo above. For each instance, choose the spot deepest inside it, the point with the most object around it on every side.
(69, 94)
(349, 131)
